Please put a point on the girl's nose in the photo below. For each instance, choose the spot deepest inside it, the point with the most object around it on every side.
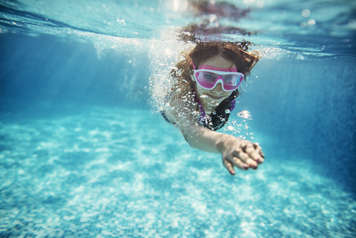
(219, 86)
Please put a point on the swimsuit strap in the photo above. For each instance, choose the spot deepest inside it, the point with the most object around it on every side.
(202, 114)
(204, 119)
(233, 104)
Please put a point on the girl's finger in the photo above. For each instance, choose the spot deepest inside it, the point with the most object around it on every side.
(241, 155)
(250, 149)
(257, 157)
(228, 165)
(258, 149)
(240, 164)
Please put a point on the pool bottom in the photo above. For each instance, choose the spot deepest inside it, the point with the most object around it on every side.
(127, 173)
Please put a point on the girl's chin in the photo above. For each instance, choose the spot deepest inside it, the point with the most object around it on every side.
(214, 102)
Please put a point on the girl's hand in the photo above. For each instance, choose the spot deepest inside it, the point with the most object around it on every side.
(240, 153)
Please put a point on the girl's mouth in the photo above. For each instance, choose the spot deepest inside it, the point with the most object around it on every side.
(215, 97)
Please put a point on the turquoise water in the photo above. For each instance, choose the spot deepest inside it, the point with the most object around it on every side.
(110, 172)
(85, 153)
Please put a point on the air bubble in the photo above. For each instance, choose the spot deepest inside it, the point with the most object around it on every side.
(230, 128)
(306, 13)
(244, 114)
(311, 22)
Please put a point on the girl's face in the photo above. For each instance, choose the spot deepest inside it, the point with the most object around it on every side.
(216, 95)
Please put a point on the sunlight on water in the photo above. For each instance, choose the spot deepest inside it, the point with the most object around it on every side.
(178, 5)
(286, 32)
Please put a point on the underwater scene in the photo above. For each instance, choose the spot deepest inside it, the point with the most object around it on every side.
(85, 151)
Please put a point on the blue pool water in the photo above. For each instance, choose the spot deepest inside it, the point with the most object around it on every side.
(85, 153)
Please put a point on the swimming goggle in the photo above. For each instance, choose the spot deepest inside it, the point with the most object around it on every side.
(208, 77)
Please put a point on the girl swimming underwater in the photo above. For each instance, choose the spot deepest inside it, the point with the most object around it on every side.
(203, 95)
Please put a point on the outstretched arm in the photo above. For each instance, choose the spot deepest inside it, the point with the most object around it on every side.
(235, 151)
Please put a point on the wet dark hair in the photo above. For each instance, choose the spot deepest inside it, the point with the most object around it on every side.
(235, 52)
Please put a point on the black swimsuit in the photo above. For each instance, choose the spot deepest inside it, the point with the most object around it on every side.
(216, 119)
